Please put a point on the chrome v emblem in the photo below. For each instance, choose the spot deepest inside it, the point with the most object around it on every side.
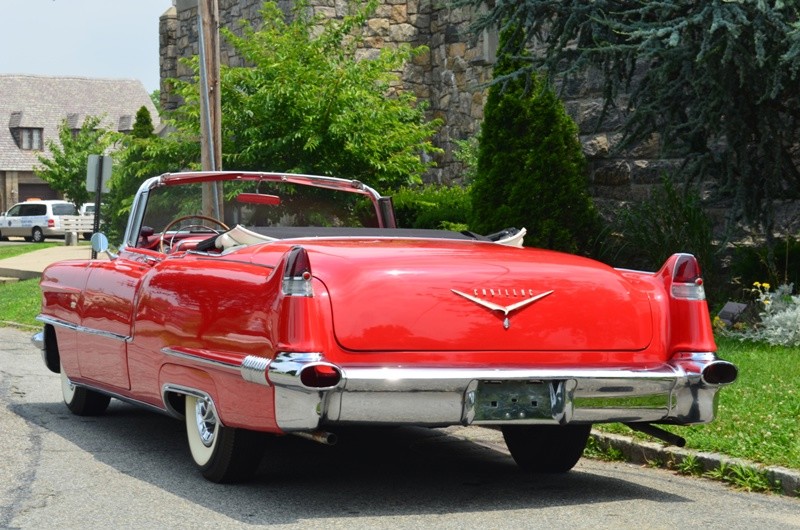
(506, 310)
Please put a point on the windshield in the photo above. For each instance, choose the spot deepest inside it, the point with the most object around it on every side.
(64, 209)
(255, 206)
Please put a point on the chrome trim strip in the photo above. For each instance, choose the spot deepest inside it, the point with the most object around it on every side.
(38, 340)
(254, 369)
(82, 329)
(126, 399)
(180, 389)
(200, 360)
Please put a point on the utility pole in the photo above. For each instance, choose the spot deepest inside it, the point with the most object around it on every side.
(210, 102)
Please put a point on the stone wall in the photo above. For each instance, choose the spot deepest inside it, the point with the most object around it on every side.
(450, 78)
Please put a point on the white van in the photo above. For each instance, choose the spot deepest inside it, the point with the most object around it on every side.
(35, 219)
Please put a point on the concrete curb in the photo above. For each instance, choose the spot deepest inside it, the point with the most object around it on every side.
(640, 452)
(643, 453)
(19, 274)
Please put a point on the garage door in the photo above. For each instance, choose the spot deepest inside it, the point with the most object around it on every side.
(40, 191)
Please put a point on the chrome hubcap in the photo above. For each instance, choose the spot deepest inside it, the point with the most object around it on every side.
(206, 421)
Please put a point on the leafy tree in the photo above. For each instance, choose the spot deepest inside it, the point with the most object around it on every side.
(132, 166)
(715, 80)
(530, 167)
(65, 168)
(309, 104)
(305, 104)
(155, 97)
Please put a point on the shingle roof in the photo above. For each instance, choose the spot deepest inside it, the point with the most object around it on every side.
(31, 101)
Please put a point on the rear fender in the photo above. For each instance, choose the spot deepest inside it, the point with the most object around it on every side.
(689, 320)
(239, 403)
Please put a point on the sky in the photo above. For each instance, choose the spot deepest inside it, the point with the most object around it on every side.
(111, 39)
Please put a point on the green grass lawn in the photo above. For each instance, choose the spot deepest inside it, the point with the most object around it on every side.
(20, 303)
(9, 251)
(758, 416)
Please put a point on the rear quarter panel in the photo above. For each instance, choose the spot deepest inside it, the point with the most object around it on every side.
(197, 304)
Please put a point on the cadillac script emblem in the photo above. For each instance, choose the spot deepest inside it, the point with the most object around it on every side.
(507, 309)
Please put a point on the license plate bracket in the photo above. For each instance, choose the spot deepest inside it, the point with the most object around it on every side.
(507, 401)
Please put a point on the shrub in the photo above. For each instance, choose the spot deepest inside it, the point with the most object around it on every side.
(530, 166)
(751, 263)
(669, 221)
(432, 207)
(780, 316)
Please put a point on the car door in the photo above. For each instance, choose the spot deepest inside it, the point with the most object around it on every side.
(106, 317)
(33, 215)
(13, 221)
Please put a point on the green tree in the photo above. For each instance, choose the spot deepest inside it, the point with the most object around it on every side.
(65, 168)
(143, 124)
(308, 103)
(305, 104)
(716, 81)
(133, 164)
(530, 167)
(155, 97)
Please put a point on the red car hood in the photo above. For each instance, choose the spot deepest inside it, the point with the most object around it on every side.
(434, 295)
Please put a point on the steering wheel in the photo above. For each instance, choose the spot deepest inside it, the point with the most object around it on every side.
(184, 218)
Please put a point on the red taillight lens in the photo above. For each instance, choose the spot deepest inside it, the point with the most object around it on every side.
(51, 223)
(687, 270)
(320, 376)
(687, 283)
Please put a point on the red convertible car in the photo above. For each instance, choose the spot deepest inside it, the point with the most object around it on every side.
(294, 305)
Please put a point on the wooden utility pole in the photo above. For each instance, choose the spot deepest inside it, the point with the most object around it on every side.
(210, 102)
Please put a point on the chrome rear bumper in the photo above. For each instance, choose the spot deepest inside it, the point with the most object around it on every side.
(682, 391)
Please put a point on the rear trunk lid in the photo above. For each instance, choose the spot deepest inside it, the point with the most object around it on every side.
(434, 295)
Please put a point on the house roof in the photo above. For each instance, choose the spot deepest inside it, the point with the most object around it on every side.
(42, 102)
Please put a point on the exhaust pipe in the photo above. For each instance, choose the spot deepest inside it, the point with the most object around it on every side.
(322, 437)
(656, 432)
(719, 373)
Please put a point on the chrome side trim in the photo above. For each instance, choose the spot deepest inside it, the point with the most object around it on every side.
(201, 360)
(254, 369)
(38, 340)
(168, 388)
(82, 329)
(126, 399)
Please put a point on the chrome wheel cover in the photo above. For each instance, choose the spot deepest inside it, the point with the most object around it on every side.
(205, 418)
(67, 388)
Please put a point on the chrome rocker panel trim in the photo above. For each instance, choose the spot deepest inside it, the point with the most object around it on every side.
(82, 329)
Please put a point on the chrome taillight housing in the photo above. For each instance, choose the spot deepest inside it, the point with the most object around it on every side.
(297, 273)
(687, 281)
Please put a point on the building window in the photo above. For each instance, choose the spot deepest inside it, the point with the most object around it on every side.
(31, 139)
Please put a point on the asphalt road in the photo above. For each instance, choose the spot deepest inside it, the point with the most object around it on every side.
(131, 469)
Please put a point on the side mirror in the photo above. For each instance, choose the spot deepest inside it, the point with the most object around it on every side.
(100, 244)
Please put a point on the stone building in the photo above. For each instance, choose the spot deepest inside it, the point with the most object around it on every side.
(451, 78)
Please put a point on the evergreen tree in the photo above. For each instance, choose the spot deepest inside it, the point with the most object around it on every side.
(530, 168)
(65, 168)
(143, 124)
(132, 166)
(715, 80)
